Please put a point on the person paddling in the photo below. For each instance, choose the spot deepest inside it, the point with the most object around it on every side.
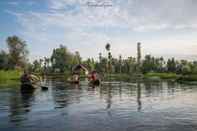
(26, 77)
(75, 78)
(94, 78)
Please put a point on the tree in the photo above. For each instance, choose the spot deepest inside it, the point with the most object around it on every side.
(171, 65)
(120, 64)
(3, 60)
(36, 66)
(46, 64)
(107, 47)
(100, 57)
(76, 58)
(61, 59)
(17, 51)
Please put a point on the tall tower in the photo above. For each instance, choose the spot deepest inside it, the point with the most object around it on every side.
(138, 56)
(138, 53)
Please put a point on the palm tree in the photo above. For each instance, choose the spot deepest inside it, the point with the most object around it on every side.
(107, 47)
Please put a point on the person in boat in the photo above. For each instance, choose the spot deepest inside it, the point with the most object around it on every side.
(28, 78)
(94, 78)
(74, 79)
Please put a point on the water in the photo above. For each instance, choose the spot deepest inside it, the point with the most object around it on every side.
(150, 106)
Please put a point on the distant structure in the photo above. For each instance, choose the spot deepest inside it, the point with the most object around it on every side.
(138, 56)
(139, 53)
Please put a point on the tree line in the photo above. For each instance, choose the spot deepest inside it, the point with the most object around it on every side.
(62, 61)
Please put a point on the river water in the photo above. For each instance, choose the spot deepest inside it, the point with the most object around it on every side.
(145, 106)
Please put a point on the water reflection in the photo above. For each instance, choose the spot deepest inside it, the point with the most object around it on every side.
(109, 97)
(64, 94)
(140, 105)
(139, 96)
(20, 105)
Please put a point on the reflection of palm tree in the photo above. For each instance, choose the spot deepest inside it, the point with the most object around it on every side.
(109, 98)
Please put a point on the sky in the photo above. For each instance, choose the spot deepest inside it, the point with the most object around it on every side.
(164, 27)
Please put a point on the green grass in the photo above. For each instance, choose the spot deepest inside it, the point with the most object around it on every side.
(10, 75)
(122, 77)
(188, 79)
(161, 75)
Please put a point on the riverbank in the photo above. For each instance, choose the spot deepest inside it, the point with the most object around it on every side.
(188, 79)
(10, 75)
(191, 78)
(161, 76)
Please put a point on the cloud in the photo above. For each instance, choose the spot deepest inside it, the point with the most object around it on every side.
(82, 27)
(13, 3)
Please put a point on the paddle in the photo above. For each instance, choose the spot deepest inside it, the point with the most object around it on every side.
(35, 78)
(44, 87)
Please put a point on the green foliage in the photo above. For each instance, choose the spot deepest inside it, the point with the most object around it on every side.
(61, 59)
(171, 65)
(4, 60)
(152, 64)
(91, 65)
(17, 51)
(37, 66)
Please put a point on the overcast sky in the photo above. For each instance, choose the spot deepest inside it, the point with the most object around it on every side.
(164, 27)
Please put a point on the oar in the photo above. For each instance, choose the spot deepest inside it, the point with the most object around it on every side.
(44, 87)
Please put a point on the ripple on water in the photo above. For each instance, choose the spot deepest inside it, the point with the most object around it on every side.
(145, 107)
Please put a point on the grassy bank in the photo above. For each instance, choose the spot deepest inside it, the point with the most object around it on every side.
(148, 76)
(161, 75)
(122, 77)
(188, 79)
(9, 75)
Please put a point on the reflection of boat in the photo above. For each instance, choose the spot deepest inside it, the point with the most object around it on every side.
(73, 82)
(27, 87)
(94, 82)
